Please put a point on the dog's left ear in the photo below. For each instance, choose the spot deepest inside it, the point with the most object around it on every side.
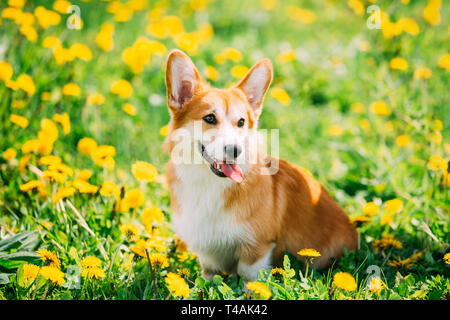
(255, 84)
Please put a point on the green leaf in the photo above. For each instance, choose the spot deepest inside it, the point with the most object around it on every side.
(4, 278)
(217, 280)
(200, 282)
(25, 240)
(286, 263)
(409, 279)
(15, 259)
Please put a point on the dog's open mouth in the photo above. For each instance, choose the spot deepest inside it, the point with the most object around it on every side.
(222, 169)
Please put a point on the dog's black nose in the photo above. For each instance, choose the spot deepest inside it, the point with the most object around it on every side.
(232, 151)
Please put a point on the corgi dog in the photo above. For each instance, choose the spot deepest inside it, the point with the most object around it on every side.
(237, 214)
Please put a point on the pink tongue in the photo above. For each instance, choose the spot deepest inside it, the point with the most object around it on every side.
(232, 171)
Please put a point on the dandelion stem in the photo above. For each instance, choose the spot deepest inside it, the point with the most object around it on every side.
(114, 257)
(331, 293)
(37, 285)
(129, 273)
(45, 291)
(151, 272)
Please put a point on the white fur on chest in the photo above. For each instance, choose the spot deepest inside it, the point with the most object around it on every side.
(209, 231)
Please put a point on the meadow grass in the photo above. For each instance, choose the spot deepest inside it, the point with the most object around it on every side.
(371, 128)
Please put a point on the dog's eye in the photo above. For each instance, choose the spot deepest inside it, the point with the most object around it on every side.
(210, 118)
(241, 122)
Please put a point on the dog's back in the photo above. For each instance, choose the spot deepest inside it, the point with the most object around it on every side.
(293, 210)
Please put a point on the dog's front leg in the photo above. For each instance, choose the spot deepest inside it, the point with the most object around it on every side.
(254, 259)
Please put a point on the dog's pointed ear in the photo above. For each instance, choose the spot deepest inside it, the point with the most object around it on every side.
(256, 82)
(182, 80)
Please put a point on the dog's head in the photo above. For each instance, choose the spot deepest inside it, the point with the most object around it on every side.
(217, 125)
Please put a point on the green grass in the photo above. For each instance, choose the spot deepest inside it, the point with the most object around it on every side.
(360, 165)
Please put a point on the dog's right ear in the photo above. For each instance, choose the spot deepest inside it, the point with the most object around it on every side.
(182, 80)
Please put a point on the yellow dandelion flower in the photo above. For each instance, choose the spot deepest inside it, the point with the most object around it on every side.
(259, 288)
(151, 215)
(49, 258)
(50, 160)
(95, 99)
(302, 15)
(84, 174)
(431, 12)
(156, 244)
(109, 188)
(84, 186)
(164, 131)
(286, 56)
(129, 231)
(30, 272)
(9, 154)
(87, 146)
(359, 220)
(61, 168)
(63, 120)
(134, 198)
(394, 205)
(144, 171)
(380, 107)
(104, 38)
(54, 176)
(25, 82)
(62, 193)
(71, 89)
(277, 271)
(81, 51)
(122, 88)
(344, 281)
(91, 262)
(176, 285)
(33, 184)
(436, 162)
(52, 274)
(19, 120)
(239, 71)
(447, 258)
(422, 73)
(387, 241)
(370, 209)
(386, 219)
(51, 42)
(159, 259)
(23, 163)
(139, 248)
(281, 95)
(61, 6)
(211, 73)
(357, 6)
(408, 262)
(129, 109)
(403, 140)
(398, 64)
(335, 130)
(408, 25)
(93, 272)
(376, 285)
(312, 253)
(357, 107)
(6, 71)
(444, 62)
